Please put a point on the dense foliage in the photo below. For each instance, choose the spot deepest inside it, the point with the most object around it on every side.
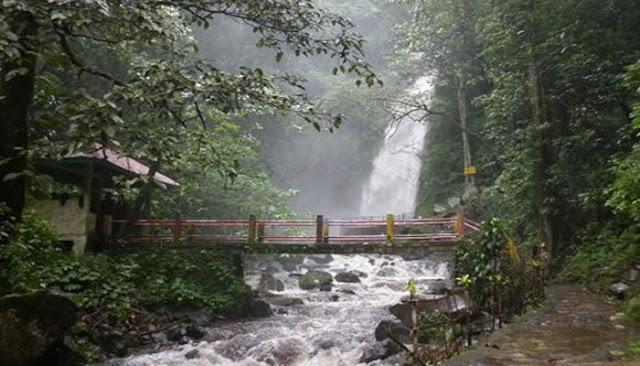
(109, 288)
(498, 279)
(545, 95)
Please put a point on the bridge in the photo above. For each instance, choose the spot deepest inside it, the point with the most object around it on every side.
(389, 234)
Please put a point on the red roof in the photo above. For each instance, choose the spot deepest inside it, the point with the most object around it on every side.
(100, 151)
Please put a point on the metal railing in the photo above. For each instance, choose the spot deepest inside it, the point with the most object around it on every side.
(255, 231)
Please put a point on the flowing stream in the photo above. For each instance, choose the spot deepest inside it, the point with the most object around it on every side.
(337, 326)
(329, 328)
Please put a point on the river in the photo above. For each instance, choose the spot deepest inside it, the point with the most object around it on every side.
(329, 328)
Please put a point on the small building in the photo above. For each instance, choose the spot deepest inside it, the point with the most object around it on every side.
(83, 210)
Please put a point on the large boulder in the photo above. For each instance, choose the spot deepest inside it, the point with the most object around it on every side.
(379, 351)
(269, 283)
(315, 279)
(348, 277)
(32, 325)
(260, 309)
(388, 328)
(444, 304)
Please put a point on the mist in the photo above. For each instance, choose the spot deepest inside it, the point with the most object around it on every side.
(328, 169)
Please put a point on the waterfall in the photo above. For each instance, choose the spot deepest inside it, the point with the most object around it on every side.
(336, 327)
(393, 183)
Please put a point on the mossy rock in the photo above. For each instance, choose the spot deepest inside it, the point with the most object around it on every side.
(314, 279)
(31, 324)
(632, 311)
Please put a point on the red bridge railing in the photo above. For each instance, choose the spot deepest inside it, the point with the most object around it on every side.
(320, 230)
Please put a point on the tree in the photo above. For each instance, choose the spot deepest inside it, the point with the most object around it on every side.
(145, 79)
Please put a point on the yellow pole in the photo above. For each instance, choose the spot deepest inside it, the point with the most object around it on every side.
(390, 224)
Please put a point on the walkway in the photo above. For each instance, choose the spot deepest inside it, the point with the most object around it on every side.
(574, 328)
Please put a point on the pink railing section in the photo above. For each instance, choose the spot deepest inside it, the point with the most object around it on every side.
(253, 231)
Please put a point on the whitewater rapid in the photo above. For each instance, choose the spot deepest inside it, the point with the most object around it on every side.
(329, 328)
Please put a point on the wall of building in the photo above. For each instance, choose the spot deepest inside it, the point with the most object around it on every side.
(71, 219)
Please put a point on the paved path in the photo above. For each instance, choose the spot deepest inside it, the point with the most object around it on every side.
(575, 327)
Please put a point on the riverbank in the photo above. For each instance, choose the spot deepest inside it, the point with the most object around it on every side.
(574, 327)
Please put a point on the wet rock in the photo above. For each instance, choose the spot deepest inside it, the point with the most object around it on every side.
(395, 329)
(295, 275)
(348, 277)
(619, 289)
(290, 262)
(335, 298)
(402, 311)
(385, 263)
(32, 325)
(315, 279)
(347, 291)
(194, 332)
(285, 301)
(192, 354)
(372, 261)
(201, 317)
(214, 335)
(175, 334)
(378, 351)
(269, 283)
(438, 287)
(321, 259)
(359, 273)
(387, 272)
(260, 309)
(326, 287)
(183, 340)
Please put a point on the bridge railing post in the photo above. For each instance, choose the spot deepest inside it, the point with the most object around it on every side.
(260, 237)
(319, 229)
(390, 227)
(252, 229)
(177, 228)
(460, 223)
(325, 233)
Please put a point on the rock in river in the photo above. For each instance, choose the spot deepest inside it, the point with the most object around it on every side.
(269, 283)
(315, 279)
(347, 277)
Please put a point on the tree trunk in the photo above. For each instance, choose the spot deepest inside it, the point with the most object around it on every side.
(542, 160)
(17, 78)
(469, 179)
(543, 193)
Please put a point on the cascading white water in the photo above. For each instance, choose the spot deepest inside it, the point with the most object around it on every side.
(393, 183)
(329, 328)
